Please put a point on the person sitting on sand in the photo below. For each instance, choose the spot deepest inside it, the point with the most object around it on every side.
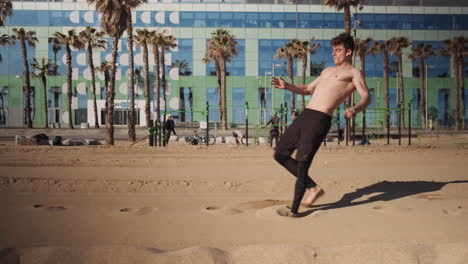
(309, 129)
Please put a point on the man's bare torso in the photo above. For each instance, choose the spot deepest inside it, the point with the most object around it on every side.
(335, 85)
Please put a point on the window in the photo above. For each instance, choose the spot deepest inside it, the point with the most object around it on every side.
(186, 104)
(238, 105)
(212, 97)
(54, 100)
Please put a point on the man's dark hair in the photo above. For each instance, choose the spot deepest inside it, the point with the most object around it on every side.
(345, 39)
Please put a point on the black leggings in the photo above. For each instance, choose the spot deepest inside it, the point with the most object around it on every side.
(305, 134)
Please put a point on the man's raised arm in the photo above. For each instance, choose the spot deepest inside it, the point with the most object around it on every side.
(297, 89)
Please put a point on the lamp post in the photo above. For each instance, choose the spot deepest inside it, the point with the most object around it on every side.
(272, 88)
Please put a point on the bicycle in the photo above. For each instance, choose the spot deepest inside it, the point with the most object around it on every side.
(196, 139)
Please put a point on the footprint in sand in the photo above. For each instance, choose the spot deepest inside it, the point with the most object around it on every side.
(50, 208)
(284, 211)
(391, 209)
(429, 196)
(458, 211)
(243, 207)
(141, 211)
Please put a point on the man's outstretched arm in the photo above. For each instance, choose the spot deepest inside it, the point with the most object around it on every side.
(297, 89)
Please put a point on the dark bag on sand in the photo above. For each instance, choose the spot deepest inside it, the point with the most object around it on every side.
(41, 139)
(57, 141)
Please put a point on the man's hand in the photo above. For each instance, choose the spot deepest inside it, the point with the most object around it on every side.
(350, 113)
(279, 83)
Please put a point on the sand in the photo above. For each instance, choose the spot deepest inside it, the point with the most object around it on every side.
(226, 204)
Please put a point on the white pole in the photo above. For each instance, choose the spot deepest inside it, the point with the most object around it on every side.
(273, 90)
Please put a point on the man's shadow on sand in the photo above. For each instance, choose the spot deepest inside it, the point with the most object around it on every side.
(384, 191)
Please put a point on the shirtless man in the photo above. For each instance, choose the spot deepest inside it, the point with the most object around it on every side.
(308, 130)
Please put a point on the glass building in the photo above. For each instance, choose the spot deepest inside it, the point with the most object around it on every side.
(260, 27)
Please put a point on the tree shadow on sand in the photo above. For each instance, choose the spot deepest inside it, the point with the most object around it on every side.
(384, 191)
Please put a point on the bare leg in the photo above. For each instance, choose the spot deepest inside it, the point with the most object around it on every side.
(312, 195)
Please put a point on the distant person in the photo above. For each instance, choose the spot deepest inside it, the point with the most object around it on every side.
(170, 128)
(238, 136)
(308, 130)
(275, 122)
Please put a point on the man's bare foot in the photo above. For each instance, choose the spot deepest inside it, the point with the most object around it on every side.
(291, 214)
(312, 195)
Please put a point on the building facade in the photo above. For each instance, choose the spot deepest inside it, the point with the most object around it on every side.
(260, 27)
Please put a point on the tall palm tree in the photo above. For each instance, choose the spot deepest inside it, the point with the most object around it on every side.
(183, 67)
(168, 42)
(419, 53)
(156, 42)
(397, 44)
(129, 5)
(143, 38)
(5, 40)
(69, 40)
(56, 47)
(344, 5)
(383, 47)
(463, 42)
(303, 48)
(93, 39)
(26, 38)
(224, 47)
(43, 69)
(6, 9)
(289, 52)
(362, 48)
(106, 68)
(114, 22)
(212, 54)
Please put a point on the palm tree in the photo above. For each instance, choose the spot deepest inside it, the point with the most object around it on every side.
(114, 22)
(42, 69)
(143, 38)
(463, 42)
(183, 67)
(420, 52)
(156, 42)
(344, 5)
(26, 38)
(93, 39)
(129, 5)
(211, 54)
(56, 47)
(223, 46)
(383, 47)
(289, 51)
(362, 48)
(397, 44)
(106, 68)
(69, 40)
(168, 42)
(5, 40)
(303, 48)
(6, 9)
(451, 49)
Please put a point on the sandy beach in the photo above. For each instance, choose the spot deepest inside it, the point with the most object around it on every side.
(226, 204)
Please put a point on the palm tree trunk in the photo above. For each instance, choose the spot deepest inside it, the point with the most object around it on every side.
(111, 94)
(158, 82)
(147, 89)
(93, 81)
(223, 93)
(422, 92)
(462, 89)
(163, 80)
(69, 84)
(291, 76)
(347, 19)
(456, 76)
(218, 76)
(46, 109)
(304, 69)
(131, 114)
(386, 87)
(402, 89)
(28, 85)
